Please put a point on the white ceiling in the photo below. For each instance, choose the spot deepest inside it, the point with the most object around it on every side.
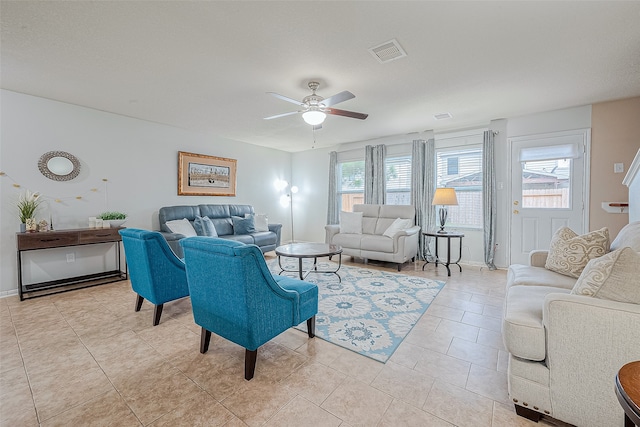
(205, 66)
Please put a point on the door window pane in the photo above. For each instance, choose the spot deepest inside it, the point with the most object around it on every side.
(546, 184)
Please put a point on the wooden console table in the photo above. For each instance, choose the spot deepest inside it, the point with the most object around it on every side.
(62, 239)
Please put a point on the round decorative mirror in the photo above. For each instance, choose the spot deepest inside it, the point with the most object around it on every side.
(59, 165)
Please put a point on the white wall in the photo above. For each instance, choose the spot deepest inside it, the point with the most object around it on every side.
(138, 158)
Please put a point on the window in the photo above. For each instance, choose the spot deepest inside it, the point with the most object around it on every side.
(546, 184)
(461, 168)
(452, 166)
(398, 180)
(350, 184)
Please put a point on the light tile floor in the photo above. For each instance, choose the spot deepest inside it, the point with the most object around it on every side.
(86, 358)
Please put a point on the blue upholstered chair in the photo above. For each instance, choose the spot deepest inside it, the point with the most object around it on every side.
(156, 274)
(234, 295)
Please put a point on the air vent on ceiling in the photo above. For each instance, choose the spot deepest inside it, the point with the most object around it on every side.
(442, 116)
(388, 51)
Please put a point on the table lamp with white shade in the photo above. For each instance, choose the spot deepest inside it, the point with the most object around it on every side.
(444, 197)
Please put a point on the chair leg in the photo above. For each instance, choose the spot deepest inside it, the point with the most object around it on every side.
(399, 267)
(311, 326)
(250, 358)
(205, 338)
(139, 300)
(157, 312)
(527, 413)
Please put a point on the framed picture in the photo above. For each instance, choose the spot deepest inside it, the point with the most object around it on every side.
(201, 175)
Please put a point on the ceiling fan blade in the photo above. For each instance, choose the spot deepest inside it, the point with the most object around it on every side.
(345, 113)
(284, 98)
(337, 98)
(281, 115)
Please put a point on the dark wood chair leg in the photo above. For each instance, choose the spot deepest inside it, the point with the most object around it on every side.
(399, 267)
(139, 300)
(205, 339)
(157, 312)
(250, 358)
(311, 326)
(527, 413)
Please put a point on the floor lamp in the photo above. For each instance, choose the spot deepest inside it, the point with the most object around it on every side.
(294, 190)
(444, 197)
(288, 198)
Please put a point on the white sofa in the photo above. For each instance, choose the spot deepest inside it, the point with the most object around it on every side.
(565, 349)
(371, 243)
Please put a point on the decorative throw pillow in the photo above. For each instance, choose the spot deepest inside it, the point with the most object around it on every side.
(261, 222)
(243, 225)
(614, 276)
(351, 222)
(181, 226)
(398, 225)
(570, 253)
(204, 227)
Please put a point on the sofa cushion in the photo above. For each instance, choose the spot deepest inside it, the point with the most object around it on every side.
(372, 242)
(264, 238)
(628, 236)
(169, 213)
(181, 226)
(261, 221)
(243, 225)
(242, 238)
(526, 275)
(351, 222)
(522, 328)
(614, 276)
(204, 227)
(369, 217)
(569, 253)
(351, 241)
(398, 224)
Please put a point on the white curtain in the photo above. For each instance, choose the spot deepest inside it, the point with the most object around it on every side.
(422, 189)
(333, 208)
(489, 204)
(374, 174)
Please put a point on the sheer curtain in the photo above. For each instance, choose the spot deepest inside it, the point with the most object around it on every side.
(332, 205)
(489, 204)
(374, 174)
(422, 188)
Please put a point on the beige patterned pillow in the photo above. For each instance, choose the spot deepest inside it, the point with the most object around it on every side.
(570, 253)
(614, 276)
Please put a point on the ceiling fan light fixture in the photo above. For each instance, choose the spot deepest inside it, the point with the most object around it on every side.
(314, 117)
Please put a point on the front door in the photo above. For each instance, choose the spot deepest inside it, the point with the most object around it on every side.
(549, 175)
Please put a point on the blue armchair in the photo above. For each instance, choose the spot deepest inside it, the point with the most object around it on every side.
(234, 295)
(156, 274)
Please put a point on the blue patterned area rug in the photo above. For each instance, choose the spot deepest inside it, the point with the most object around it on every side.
(370, 311)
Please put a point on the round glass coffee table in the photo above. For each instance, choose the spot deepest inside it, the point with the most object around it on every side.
(308, 250)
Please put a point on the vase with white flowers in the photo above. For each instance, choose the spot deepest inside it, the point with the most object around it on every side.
(28, 203)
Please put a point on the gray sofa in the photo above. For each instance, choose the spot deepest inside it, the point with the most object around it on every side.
(371, 243)
(565, 349)
(220, 215)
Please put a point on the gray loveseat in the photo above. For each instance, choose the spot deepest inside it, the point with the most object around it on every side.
(370, 243)
(220, 215)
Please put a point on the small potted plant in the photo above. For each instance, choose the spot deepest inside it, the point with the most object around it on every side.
(28, 203)
(116, 219)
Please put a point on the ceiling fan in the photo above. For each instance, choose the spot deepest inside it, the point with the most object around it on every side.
(315, 108)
